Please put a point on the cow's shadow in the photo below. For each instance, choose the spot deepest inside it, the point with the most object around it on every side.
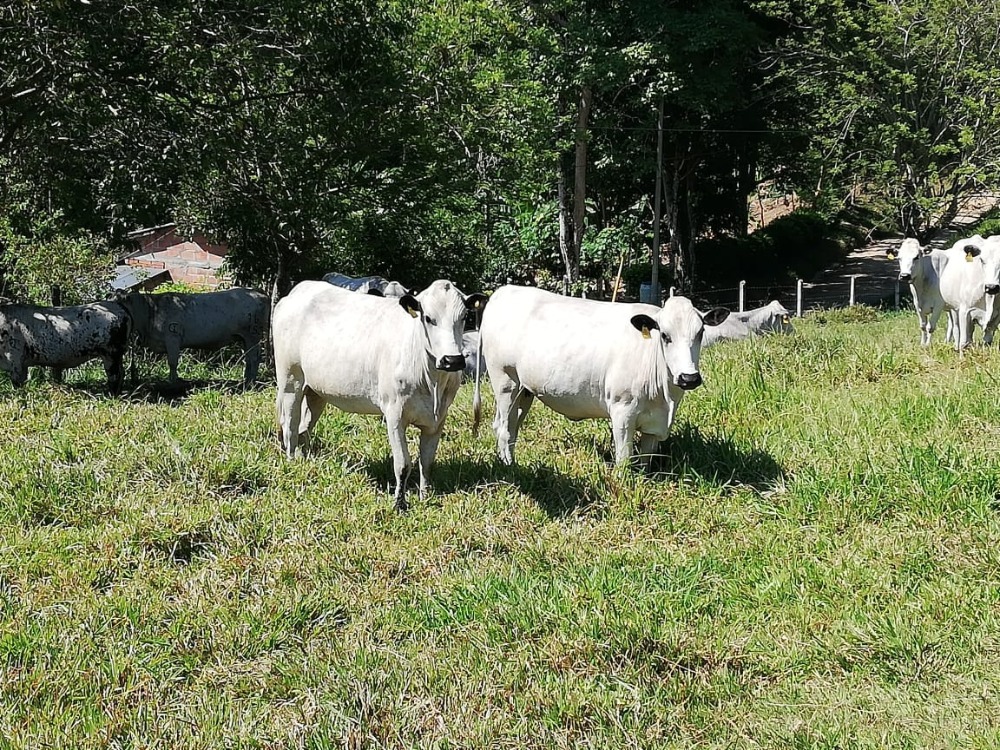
(163, 391)
(557, 494)
(714, 459)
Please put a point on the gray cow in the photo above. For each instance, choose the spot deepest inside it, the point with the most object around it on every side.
(167, 323)
(32, 336)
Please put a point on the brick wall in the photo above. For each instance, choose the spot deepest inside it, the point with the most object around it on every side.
(196, 262)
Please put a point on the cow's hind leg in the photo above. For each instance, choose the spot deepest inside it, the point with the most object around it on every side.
(512, 405)
(312, 407)
(173, 347)
(251, 355)
(289, 406)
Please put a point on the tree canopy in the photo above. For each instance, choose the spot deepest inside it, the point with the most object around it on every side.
(478, 139)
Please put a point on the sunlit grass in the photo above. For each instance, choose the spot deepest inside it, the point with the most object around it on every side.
(815, 563)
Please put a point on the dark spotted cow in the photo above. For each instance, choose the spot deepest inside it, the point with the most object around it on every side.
(32, 336)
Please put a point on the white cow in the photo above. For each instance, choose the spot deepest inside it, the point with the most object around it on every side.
(630, 363)
(731, 329)
(167, 323)
(969, 285)
(400, 358)
(921, 268)
(63, 337)
(771, 318)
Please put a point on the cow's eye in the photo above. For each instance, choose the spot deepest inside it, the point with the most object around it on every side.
(666, 338)
(430, 320)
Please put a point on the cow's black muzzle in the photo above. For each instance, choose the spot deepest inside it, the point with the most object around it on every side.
(451, 363)
(905, 277)
(689, 380)
(992, 288)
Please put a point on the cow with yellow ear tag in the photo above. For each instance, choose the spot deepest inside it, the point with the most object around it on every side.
(628, 363)
(970, 283)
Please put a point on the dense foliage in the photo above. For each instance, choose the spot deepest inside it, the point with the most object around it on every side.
(480, 139)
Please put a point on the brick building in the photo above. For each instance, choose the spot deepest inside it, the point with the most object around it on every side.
(165, 255)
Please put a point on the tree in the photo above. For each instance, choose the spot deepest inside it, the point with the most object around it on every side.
(904, 103)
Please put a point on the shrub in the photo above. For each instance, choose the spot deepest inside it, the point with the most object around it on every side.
(989, 224)
(640, 273)
(798, 244)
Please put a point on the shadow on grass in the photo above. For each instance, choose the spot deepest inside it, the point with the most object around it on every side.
(557, 494)
(165, 392)
(716, 460)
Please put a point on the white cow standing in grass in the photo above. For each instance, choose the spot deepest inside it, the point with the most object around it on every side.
(922, 269)
(365, 354)
(969, 286)
(630, 363)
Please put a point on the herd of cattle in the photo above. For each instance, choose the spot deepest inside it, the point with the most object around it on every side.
(369, 346)
(375, 348)
(962, 281)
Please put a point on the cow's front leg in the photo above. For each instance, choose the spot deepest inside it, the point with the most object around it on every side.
(114, 369)
(623, 420)
(400, 457)
(428, 450)
(648, 447)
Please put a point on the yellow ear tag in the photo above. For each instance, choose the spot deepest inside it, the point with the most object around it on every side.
(891, 256)
(969, 257)
(784, 318)
(645, 332)
(479, 304)
(413, 313)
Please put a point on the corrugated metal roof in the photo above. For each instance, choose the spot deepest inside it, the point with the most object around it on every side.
(129, 277)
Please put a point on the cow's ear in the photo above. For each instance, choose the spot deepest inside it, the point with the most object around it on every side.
(971, 251)
(644, 324)
(410, 304)
(476, 301)
(715, 316)
(375, 292)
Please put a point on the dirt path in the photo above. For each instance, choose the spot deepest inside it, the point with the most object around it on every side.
(875, 274)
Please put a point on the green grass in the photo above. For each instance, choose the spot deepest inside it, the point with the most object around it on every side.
(815, 564)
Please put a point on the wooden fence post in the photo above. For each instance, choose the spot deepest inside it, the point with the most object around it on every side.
(798, 299)
(743, 295)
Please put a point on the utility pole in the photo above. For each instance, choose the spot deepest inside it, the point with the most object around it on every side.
(655, 280)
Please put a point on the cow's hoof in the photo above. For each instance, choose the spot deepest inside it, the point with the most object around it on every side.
(401, 505)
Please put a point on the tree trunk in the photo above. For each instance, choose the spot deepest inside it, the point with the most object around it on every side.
(565, 225)
(580, 181)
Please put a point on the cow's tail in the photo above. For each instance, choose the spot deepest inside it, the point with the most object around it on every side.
(477, 398)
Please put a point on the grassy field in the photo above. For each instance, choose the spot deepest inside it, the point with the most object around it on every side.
(815, 565)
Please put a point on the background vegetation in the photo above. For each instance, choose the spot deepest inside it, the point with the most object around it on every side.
(814, 565)
(484, 139)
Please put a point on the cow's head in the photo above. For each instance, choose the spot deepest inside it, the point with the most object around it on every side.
(780, 318)
(987, 254)
(907, 254)
(678, 329)
(440, 310)
(137, 307)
